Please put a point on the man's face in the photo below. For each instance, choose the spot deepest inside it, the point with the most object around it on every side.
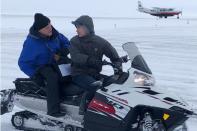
(81, 30)
(47, 30)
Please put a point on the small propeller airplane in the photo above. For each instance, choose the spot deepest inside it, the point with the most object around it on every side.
(159, 12)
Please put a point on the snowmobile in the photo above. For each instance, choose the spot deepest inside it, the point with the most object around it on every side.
(129, 102)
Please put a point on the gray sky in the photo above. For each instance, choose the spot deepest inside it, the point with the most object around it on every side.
(96, 8)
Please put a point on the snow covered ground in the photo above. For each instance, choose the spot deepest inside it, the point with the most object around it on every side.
(168, 45)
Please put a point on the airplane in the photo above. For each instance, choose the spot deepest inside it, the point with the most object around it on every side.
(159, 12)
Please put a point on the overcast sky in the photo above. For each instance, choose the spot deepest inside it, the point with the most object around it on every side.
(96, 8)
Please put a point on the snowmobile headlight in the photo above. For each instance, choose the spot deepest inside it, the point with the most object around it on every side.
(143, 79)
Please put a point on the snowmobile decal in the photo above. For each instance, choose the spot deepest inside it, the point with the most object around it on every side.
(101, 106)
(105, 114)
(155, 98)
(116, 91)
(125, 102)
(123, 93)
(120, 110)
(111, 108)
(166, 100)
(161, 100)
(151, 92)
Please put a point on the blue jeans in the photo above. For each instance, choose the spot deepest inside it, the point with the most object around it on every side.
(84, 81)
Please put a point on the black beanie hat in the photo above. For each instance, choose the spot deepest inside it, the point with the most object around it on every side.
(40, 21)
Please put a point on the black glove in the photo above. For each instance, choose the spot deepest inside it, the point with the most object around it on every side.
(124, 59)
(63, 53)
(94, 62)
(117, 68)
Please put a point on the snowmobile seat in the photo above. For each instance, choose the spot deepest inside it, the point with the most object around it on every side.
(27, 86)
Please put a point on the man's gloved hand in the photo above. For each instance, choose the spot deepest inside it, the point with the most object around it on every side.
(94, 62)
(62, 52)
(57, 57)
(61, 56)
(117, 68)
(124, 59)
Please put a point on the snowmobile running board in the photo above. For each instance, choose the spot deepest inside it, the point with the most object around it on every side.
(67, 119)
(6, 97)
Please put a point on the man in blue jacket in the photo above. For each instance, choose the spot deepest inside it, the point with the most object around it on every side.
(44, 47)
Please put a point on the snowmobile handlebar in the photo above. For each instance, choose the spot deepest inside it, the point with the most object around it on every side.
(105, 62)
(117, 67)
(123, 59)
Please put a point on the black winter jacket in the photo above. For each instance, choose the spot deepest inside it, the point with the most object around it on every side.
(91, 46)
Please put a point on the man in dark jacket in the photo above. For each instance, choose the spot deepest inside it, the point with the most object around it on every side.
(87, 50)
(44, 47)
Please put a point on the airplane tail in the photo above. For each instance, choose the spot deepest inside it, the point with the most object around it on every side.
(141, 8)
(140, 5)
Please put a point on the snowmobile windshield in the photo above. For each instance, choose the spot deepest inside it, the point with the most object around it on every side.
(137, 61)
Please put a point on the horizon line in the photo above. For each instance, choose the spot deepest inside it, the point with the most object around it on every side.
(96, 17)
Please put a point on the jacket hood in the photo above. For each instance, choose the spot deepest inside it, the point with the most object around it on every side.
(86, 21)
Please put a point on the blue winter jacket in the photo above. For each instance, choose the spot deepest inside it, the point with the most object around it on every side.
(38, 51)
